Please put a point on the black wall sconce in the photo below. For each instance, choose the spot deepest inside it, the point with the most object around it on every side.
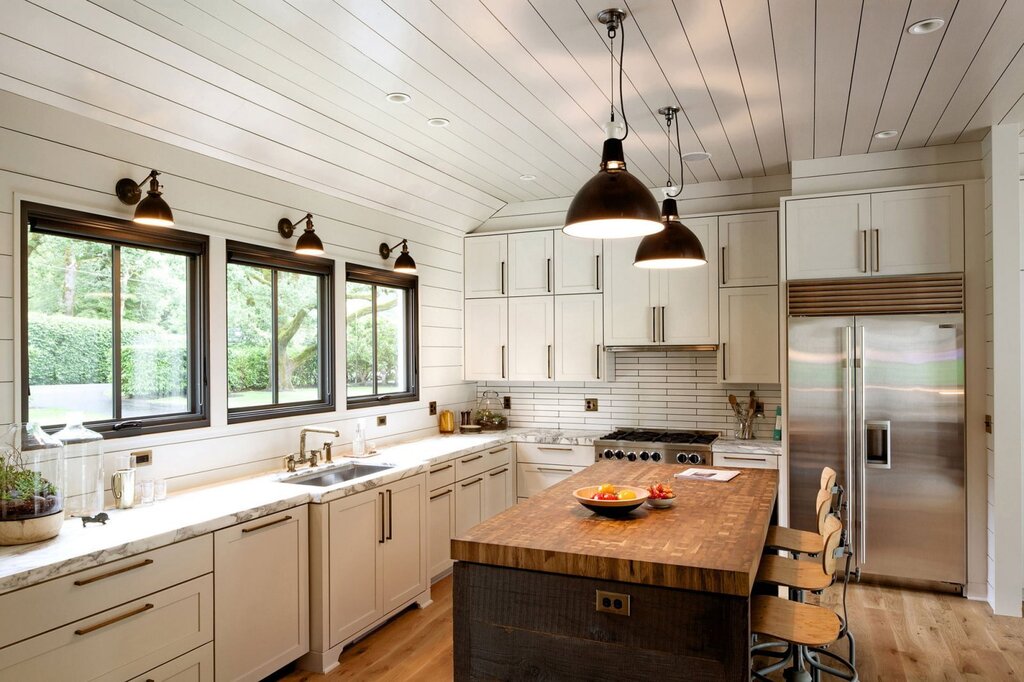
(308, 243)
(404, 262)
(152, 210)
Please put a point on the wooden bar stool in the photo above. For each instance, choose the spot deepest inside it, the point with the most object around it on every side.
(801, 541)
(799, 625)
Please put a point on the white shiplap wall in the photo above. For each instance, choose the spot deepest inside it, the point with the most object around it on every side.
(668, 389)
(53, 156)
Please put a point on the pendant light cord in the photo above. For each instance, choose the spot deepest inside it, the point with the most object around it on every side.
(679, 148)
(612, 29)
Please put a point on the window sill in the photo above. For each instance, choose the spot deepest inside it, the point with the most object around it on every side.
(382, 400)
(277, 411)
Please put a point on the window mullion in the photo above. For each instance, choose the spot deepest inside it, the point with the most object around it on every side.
(115, 331)
(274, 388)
(373, 335)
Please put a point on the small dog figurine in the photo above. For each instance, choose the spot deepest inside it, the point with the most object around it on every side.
(99, 518)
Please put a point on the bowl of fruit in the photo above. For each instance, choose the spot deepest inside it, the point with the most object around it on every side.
(610, 500)
(660, 496)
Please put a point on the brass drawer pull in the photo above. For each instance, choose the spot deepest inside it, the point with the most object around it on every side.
(111, 574)
(437, 471)
(115, 619)
(745, 459)
(473, 482)
(495, 473)
(557, 469)
(439, 495)
(471, 459)
(494, 452)
(553, 449)
(268, 524)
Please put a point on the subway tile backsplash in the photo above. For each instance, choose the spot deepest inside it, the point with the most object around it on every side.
(668, 389)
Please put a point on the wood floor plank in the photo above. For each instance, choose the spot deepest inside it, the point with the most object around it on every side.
(902, 634)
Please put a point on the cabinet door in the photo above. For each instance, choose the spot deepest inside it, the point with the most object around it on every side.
(441, 515)
(469, 503)
(405, 547)
(749, 352)
(279, 545)
(496, 490)
(531, 338)
(749, 249)
(356, 532)
(827, 237)
(629, 315)
(918, 231)
(485, 340)
(577, 264)
(485, 266)
(579, 328)
(531, 263)
(688, 297)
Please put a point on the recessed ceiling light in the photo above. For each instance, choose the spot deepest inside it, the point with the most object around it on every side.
(438, 122)
(527, 177)
(886, 134)
(691, 157)
(398, 97)
(926, 26)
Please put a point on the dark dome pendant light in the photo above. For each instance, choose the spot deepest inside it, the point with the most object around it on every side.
(676, 246)
(613, 204)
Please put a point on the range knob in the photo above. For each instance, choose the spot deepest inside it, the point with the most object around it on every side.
(619, 454)
(695, 458)
(655, 456)
(631, 457)
(608, 454)
(681, 458)
(645, 455)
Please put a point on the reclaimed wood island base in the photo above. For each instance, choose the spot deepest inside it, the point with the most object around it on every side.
(526, 583)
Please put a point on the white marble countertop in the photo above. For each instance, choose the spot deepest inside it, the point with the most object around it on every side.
(756, 446)
(203, 510)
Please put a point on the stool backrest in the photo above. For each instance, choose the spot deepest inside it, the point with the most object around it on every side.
(832, 532)
(823, 505)
(828, 478)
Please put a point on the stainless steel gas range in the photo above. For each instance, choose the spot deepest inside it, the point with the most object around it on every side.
(649, 445)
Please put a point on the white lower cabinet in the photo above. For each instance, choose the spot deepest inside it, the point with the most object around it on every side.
(405, 542)
(261, 593)
(499, 490)
(441, 529)
(469, 503)
(195, 666)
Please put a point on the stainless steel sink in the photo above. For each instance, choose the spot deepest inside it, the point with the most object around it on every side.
(340, 474)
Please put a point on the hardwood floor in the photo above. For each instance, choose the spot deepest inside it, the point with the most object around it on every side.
(902, 634)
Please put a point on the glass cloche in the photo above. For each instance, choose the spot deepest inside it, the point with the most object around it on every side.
(31, 485)
(490, 413)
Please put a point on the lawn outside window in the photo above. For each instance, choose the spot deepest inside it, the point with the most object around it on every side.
(279, 333)
(381, 337)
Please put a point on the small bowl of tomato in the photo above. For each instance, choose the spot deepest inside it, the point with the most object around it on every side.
(660, 496)
(610, 500)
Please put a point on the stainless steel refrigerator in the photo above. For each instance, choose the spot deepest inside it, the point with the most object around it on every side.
(880, 399)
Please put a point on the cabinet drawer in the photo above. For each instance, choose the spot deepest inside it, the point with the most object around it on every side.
(441, 475)
(120, 643)
(480, 461)
(533, 478)
(746, 460)
(82, 594)
(195, 666)
(542, 453)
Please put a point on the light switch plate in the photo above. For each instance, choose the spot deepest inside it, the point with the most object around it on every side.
(382, 420)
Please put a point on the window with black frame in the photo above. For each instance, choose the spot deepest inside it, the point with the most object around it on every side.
(380, 336)
(114, 323)
(279, 333)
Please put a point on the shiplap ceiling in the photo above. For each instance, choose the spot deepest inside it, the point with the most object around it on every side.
(296, 88)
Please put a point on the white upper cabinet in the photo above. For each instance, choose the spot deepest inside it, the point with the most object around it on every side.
(531, 263)
(918, 231)
(749, 352)
(486, 263)
(905, 232)
(828, 237)
(749, 249)
(579, 329)
(687, 304)
(630, 292)
(531, 325)
(485, 344)
(577, 264)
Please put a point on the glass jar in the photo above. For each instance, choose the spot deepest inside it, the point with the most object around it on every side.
(83, 466)
(490, 412)
(31, 485)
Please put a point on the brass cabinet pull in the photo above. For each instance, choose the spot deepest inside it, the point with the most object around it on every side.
(381, 541)
(503, 362)
(663, 324)
(473, 482)
(115, 619)
(745, 459)
(550, 363)
(502, 278)
(557, 469)
(471, 459)
(864, 250)
(549, 275)
(725, 267)
(111, 574)
(268, 524)
(442, 494)
(597, 272)
(598, 361)
(390, 528)
(550, 447)
(494, 452)
(495, 473)
(878, 251)
(725, 354)
(654, 324)
(437, 471)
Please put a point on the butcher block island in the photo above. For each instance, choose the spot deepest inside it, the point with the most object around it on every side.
(550, 590)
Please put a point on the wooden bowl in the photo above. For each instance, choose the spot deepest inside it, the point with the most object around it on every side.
(611, 508)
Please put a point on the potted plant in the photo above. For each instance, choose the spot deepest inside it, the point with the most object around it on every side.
(31, 478)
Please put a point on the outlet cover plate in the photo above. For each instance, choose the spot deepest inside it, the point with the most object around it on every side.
(432, 407)
(382, 420)
(612, 602)
(506, 402)
(142, 458)
(590, 404)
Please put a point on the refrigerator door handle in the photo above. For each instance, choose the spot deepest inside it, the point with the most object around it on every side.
(859, 366)
(848, 412)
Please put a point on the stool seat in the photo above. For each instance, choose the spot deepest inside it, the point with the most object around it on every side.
(793, 540)
(800, 575)
(789, 621)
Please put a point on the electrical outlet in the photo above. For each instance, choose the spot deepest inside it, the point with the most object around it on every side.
(613, 602)
(590, 404)
(432, 406)
(382, 420)
(506, 402)
(143, 458)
